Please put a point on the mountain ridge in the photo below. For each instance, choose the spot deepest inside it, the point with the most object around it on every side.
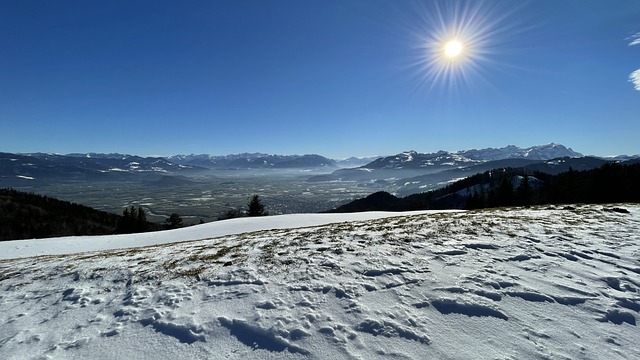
(499, 187)
(403, 173)
(413, 159)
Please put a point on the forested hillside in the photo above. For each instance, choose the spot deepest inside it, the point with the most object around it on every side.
(25, 215)
(610, 183)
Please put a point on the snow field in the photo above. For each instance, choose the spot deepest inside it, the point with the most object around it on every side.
(492, 284)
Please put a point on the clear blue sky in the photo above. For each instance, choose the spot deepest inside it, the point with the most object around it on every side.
(337, 77)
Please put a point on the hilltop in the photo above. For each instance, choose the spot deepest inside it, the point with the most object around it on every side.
(531, 283)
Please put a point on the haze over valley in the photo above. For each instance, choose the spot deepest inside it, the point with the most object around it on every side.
(206, 187)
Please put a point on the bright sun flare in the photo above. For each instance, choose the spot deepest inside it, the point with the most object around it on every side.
(453, 49)
(457, 41)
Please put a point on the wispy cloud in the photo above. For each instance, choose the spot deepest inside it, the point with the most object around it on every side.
(634, 78)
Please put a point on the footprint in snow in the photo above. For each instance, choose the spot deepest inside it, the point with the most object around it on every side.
(449, 306)
(256, 337)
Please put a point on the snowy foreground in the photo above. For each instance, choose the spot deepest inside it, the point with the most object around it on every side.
(495, 284)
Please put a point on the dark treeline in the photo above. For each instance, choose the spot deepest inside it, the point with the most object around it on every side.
(516, 187)
(134, 220)
(30, 216)
(25, 216)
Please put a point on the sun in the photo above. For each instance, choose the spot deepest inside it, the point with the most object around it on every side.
(458, 44)
(453, 49)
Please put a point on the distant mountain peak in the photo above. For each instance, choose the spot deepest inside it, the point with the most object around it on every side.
(413, 159)
(538, 152)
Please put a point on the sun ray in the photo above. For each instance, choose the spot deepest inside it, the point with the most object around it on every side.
(458, 41)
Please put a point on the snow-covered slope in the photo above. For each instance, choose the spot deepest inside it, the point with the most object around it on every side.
(508, 284)
(76, 244)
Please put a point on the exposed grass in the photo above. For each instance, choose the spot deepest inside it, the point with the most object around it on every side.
(111, 253)
(192, 272)
(169, 265)
(224, 251)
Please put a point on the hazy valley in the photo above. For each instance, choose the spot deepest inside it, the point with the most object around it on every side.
(205, 187)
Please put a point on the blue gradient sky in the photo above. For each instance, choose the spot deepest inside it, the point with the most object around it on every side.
(338, 78)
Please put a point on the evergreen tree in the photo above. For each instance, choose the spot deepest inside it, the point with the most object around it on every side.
(475, 201)
(173, 222)
(141, 221)
(127, 222)
(255, 207)
(126, 214)
(133, 220)
(504, 194)
(524, 192)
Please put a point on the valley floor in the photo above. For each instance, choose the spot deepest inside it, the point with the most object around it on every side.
(540, 283)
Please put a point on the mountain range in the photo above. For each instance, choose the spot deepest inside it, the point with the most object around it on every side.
(499, 187)
(415, 160)
(22, 169)
(253, 161)
(403, 173)
(411, 172)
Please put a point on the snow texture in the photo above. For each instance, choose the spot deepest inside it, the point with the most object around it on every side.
(540, 283)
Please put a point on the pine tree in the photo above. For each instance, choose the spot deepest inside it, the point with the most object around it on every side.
(141, 221)
(505, 195)
(133, 220)
(524, 192)
(255, 207)
(173, 222)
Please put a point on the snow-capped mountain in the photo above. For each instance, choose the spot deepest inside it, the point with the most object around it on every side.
(86, 167)
(540, 152)
(404, 173)
(94, 166)
(404, 169)
(550, 282)
(353, 162)
(413, 160)
(254, 161)
(215, 161)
